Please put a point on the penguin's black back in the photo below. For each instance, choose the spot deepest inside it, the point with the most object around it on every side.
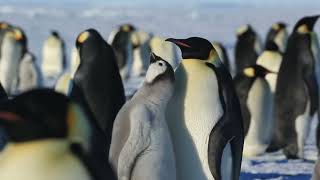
(97, 82)
(291, 92)
(119, 45)
(245, 54)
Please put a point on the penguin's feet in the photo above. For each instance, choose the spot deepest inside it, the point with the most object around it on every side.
(291, 151)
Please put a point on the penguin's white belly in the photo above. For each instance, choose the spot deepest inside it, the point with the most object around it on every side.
(137, 67)
(260, 104)
(272, 81)
(192, 113)
(157, 162)
(52, 62)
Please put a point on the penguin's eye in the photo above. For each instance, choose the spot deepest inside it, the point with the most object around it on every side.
(160, 64)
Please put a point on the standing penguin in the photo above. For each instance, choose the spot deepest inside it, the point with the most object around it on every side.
(271, 59)
(247, 49)
(29, 73)
(296, 91)
(97, 83)
(204, 115)
(144, 115)
(123, 48)
(279, 35)
(4, 26)
(222, 52)
(256, 102)
(46, 140)
(13, 48)
(53, 57)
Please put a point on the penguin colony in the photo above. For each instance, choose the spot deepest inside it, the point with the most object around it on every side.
(190, 119)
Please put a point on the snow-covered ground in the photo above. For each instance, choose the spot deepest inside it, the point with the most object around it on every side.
(214, 22)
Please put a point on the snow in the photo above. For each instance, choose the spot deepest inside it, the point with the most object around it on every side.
(217, 23)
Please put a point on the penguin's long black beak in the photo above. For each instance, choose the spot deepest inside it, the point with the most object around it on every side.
(312, 22)
(179, 42)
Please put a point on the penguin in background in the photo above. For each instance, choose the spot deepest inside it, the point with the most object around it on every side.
(279, 35)
(247, 49)
(165, 50)
(204, 115)
(14, 46)
(4, 26)
(29, 73)
(271, 59)
(53, 58)
(141, 52)
(39, 132)
(296, 91)
(222, 52)
(75, 61)
(97, 82)
(123, 48)
(256, 100)
(144, 114)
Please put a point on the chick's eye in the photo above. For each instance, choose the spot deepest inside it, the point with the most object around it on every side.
(160, 64)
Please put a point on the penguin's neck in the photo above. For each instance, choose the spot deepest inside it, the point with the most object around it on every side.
(35, 151)
(157, 93)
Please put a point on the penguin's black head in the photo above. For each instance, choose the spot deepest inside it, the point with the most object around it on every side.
(127, 28)
(55, 33)
(159, 69)
(21, 37)
(306, 24)
(194, 48)
(245, 30)
(271, 46)
(256, 71)
(4, 25)
(278, 26)
(39, 114)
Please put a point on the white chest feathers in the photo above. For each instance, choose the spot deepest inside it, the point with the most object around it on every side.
(41, 160)
(191, 115)
(52, 57)
(271, 61)
(260, 104)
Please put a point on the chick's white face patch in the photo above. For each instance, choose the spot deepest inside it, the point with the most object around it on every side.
(155, 69)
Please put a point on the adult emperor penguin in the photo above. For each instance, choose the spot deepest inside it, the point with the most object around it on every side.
(165, 50)
(123, 48)
(141, 122)
(204, 115)
(256, 100)
(296, 91)
(53, 57)
(248, 47)
(222, 52)
(271, 59)
(13, 48)
(29, 73)
(46, 140)
(97, 83)
(279, 35)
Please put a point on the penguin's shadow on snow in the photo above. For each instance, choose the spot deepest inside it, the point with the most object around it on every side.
(190, 152)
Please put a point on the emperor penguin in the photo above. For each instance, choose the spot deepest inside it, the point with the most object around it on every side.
(165, 50)
(97, 83)
(13, 48)
(46, 140)
(256, 100)
(204, 115)
(141, 147)
(296, 91)
(141, 51)
(279, 35)
(271, 59)
(248, 47)
(53, 58)
(29, 73)
(223, 54)
(4, 26)
(123, 48)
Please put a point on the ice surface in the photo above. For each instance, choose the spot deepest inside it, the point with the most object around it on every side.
(217, 23)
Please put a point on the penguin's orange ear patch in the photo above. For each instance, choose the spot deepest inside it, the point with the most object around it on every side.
(83, 36)
(10, 117)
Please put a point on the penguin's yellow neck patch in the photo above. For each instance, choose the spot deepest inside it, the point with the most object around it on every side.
(249, 72)
(4, 26)
(125, 28)
(79, 128)
(275, 27)
(18, 34)
(241, 30)
(83, 36)
(303, 29)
